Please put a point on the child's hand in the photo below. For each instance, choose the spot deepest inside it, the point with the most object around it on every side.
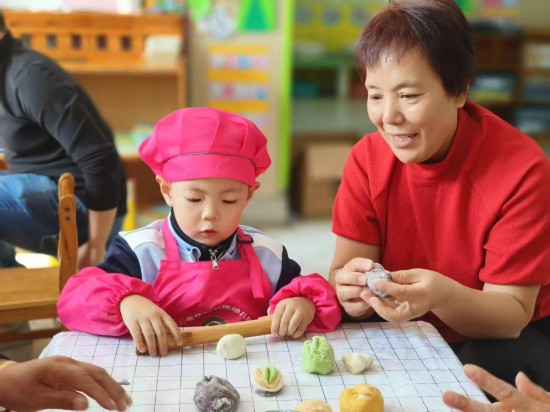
(146, 320)
(292, 316)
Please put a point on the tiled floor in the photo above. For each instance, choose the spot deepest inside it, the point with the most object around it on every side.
(308, 242)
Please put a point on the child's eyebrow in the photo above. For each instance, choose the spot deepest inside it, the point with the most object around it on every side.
(229, 190)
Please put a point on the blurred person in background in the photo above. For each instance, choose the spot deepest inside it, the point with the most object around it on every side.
(49, 126)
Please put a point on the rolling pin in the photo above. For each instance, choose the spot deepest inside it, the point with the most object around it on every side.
(208, 334)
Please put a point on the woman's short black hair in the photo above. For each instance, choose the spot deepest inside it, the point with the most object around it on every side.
(436, 28)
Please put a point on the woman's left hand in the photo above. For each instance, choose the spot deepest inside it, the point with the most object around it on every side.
(412, 293)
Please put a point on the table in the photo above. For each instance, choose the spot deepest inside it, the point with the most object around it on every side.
(413, 366)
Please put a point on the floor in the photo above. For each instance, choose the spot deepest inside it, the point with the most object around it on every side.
(308, 242)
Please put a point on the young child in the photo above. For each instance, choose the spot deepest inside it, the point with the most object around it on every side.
(198, 266)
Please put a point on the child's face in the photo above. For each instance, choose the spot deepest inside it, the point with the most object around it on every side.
(207, 210)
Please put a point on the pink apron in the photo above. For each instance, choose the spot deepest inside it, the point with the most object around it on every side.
(196, 294)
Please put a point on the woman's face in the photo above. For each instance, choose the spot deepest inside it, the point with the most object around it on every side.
(411, 109)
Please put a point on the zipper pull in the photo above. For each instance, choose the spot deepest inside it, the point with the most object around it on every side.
(214, 259)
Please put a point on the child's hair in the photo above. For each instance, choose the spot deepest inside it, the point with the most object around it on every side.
(203, 142)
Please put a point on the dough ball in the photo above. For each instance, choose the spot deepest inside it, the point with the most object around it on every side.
(267, 381)
(231, 346)
(378, 272)
(356, 362)
(214, 394)
(362, 397)
(313, 405)
(317, 356)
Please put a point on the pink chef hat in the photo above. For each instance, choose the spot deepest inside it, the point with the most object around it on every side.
(203, 142)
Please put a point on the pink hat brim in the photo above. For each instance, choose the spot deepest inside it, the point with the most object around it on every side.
(209, 165)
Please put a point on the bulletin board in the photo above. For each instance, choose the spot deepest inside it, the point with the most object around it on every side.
(239, 80)
(244, 67)
(335, 25)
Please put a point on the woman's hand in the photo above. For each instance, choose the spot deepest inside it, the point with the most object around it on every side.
(145, 320)
(292, 316)
(350, 284)
(528, 397)
(413, 293)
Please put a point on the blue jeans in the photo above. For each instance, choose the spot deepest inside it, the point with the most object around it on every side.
(29, 218)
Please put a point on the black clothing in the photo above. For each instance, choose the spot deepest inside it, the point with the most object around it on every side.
(49, 126)
(504, 358)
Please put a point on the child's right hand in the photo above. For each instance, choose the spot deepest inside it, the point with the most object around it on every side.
(146, 320)
(292, 316)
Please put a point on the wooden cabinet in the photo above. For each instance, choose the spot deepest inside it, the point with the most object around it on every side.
(534, 101)
(513, 79)
(107, 54)
(497, 84)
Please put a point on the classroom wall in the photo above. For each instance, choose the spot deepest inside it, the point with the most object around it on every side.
(534, 14)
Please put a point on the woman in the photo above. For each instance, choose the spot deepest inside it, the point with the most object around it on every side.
(447, 196)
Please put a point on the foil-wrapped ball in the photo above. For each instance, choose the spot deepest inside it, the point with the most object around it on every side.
(378, 272)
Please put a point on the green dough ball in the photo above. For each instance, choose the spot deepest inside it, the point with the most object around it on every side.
(317, 356)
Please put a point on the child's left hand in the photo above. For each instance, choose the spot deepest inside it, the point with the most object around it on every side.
(292, 316)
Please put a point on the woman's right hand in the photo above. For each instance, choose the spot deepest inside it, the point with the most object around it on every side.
(148, 324)
(350, 281)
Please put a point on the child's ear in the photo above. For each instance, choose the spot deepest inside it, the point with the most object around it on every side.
(252, 189)
(164, 189)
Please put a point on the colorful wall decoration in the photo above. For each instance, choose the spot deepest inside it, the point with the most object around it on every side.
(500, 9)
(334, 25)
(238, 80)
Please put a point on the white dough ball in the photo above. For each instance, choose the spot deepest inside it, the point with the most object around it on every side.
(356, 362)
(231, 346)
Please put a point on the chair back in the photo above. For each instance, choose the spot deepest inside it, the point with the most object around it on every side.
(31, 293)
(67, 248)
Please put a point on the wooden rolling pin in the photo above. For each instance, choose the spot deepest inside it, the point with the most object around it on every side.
(209, 334)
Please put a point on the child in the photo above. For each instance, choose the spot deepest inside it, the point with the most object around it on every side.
(198, 266)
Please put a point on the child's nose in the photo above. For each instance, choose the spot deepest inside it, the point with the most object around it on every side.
(210, 212)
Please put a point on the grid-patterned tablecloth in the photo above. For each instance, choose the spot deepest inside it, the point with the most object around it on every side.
(413, 366)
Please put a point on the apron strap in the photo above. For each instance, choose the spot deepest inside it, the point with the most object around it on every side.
(170, 244)
(257, 275)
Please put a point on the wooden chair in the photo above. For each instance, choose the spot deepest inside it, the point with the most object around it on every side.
(29, 294)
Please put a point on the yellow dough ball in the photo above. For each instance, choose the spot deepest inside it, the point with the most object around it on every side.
(313, 405)
(362, 397)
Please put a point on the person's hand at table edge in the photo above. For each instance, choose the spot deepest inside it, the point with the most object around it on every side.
(525, 397)
(55, 382)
